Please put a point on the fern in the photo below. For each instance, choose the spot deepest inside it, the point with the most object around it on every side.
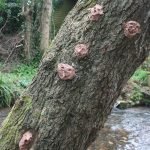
(6, 94)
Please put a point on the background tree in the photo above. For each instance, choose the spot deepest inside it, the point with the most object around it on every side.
(45, 24)
(37, 26)
(27, 12)
(66, 114)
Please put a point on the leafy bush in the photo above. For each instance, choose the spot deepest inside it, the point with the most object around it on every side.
(25, 70)
(2, 4)
(12, 84)
(136, 96)
(141, 76)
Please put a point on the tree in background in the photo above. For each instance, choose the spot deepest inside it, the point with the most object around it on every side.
(45, 24)
(34, 18)
(80, 77)
(36, 23)
(27, 12)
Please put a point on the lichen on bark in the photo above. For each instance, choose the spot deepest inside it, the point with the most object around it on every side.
(11, 126)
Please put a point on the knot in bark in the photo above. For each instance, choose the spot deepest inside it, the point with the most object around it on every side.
(65, 71)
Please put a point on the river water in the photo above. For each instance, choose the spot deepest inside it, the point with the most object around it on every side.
(125, 130)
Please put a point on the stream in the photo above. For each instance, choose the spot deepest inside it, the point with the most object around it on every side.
(127, 129)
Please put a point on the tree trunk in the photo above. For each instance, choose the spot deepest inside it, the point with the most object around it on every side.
(27, 33)
(65, 115)
(27, 12)
(45, 24)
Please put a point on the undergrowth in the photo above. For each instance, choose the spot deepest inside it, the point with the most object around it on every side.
(141, 76)
(13, 83)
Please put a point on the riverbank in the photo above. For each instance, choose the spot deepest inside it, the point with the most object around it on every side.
(127, 129)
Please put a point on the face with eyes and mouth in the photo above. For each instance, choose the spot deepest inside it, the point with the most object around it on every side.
(65, 71)
(25, 140)
(131, 28)
(96, 12)
(81, 50)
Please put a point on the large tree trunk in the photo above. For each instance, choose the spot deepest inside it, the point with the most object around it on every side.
(65, 115)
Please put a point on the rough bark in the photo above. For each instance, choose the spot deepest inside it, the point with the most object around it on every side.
(45, 24)
(65, 115)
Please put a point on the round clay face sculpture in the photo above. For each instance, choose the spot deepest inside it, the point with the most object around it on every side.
(131, 28)
(81, 50)
(25, 140)
(65, 71)
(96, 12)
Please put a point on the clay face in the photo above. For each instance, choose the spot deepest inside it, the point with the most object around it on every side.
(81, 50)
(25, 140)
(131, 28)
(96, 12)
(65, 71)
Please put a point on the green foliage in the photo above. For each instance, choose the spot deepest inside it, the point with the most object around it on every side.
(146, 64)
(2, 4)
(146, 102)
(12, 84)
(1, 19)
(141, 76)
(136, 96)
(6, 94)
(24, 70)
(9, 11)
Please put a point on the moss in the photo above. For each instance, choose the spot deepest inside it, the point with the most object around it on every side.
(10, 131)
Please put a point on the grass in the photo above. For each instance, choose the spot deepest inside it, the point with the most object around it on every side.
(12, 83)
(141, 76)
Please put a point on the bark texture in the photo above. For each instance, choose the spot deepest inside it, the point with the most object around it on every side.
(66, 115)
